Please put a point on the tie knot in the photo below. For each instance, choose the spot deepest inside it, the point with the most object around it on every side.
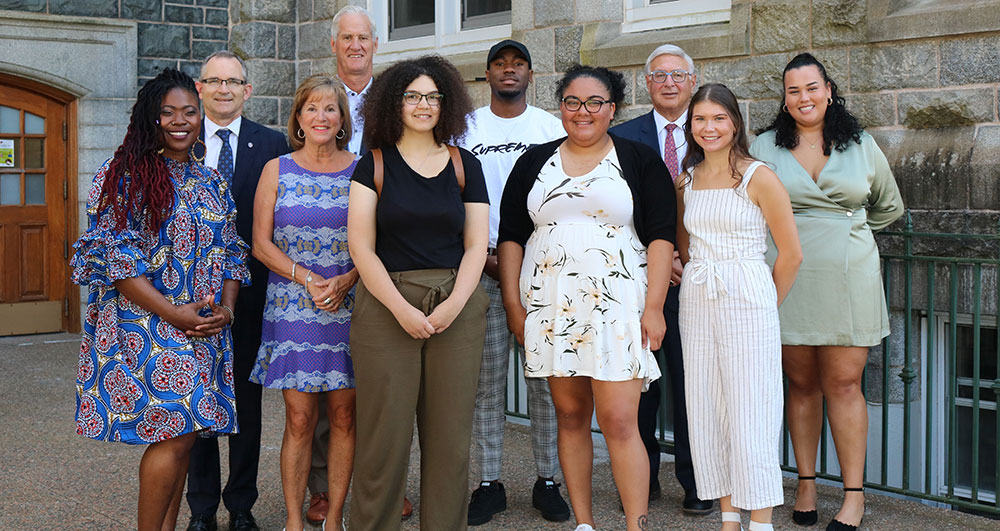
(671, 127)
(224, 134)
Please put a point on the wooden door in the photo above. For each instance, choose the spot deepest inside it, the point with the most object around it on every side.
(34, 193)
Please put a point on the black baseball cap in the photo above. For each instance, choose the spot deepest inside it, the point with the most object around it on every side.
(507, 43)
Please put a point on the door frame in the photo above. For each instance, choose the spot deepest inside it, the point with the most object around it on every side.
(71, 304)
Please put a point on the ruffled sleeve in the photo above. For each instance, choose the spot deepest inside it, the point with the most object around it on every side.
(103, 253)
(237, 250)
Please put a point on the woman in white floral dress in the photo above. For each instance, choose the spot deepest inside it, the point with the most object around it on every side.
(584, 221)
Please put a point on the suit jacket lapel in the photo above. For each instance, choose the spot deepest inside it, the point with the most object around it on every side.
(245, 154)
(648, 132)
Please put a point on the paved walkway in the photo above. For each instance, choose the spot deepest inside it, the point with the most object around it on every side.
(53, 479)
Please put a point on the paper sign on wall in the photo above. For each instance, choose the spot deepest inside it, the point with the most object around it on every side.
(6, 153)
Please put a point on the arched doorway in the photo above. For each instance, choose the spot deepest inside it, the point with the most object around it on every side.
(37, 208)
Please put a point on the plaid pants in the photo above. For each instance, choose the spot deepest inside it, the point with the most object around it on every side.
(489, 417)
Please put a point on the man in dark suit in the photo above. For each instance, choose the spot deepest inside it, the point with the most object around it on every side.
(670, 80)
(238, 148)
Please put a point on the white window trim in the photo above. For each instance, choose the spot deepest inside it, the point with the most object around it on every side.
(641, 15)
(449, 38)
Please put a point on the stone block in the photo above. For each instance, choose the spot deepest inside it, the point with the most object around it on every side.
(202, 49)
(839, 22)
(541, 45)
(262, 110)
(163, 40)
(284, 110)
(87, 8)
(25, 5)
(931, 166)
(286, 42)
(552, 13)
(271, 10)
(185, 2)
(628, 113)
(216, 17)
(761, 113)
(152, 67)
(314, 40)
(946, 108)
(184, 14)
(873, 110)
(628, 75)
(599, 11)
(775, 26)
(893, 67)
(304, 9)
(209, 33)
(253, 40)
(326, 9)
(545, 92)
(968, 61)
(985, 173)
(142, 9)
(272, 78)
(836, 63)
(522, 15)
(479, 92)
(567, 47)
(641, 91)
(191, 68)
(754, 78)
(98, 111)
(213, 3)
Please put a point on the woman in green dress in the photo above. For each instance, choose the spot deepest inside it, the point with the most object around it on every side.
(842, 190)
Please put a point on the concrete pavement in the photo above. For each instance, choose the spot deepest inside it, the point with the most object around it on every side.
(54, 479)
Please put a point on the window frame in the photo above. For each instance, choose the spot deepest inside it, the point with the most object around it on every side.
(448, 38)
(644, 15)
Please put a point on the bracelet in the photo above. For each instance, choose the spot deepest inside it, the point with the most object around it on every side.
(309, 278)
(232, 316)
(293, 272)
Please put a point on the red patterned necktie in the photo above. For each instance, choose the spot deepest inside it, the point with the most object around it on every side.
(670, 152)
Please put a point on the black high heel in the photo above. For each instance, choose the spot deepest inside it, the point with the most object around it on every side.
(805, 517)
(837, 525)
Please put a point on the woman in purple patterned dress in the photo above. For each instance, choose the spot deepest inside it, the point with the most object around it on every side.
(164, 264)
(300, 234)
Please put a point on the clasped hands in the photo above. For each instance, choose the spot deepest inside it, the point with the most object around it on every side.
(187, 317)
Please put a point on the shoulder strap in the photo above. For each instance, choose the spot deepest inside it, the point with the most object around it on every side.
(749, 173)
(456, 161)
(378, 171)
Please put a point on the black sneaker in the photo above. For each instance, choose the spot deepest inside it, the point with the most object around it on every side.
(489, 499)
(546, 498)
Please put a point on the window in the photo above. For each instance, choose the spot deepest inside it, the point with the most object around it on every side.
(408, 28)
(643, 15)
(982, 446)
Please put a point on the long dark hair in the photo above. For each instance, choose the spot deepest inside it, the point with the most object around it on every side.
(138, 180)
(840, 127)
(384, 104)
(739, 150)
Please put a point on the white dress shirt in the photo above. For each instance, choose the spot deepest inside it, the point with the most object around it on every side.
(354, 100)
(213, 144)
(661, 134)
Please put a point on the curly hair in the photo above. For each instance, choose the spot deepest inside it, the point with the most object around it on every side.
(613, 81)
(384, 104)
(739, 150)
(331, 85)
(138, 180)
(840, 127)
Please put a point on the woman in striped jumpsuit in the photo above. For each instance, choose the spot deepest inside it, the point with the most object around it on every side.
(729, 309)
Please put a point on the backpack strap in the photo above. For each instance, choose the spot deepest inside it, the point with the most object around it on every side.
(379, 171)
(456, 161)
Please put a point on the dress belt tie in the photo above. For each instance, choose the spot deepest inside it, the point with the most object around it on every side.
(436, 292)
(706, 271)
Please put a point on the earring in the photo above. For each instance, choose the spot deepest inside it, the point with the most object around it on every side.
(341, 134)
(829, 101)
(300, 133)
(784, 108)
(159, 151)
(191, 151)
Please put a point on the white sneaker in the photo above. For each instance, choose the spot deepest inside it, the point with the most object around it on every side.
(584, 527)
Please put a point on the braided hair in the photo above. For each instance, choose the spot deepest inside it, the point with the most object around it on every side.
(138, 180)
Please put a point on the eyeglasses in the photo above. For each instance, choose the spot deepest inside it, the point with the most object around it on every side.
(659, 76)
(592, 105)
(215, 82)
(413, 98)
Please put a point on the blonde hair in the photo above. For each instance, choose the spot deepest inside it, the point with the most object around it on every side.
(306, 88)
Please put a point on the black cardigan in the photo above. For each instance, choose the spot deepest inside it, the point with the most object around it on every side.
(654, 201)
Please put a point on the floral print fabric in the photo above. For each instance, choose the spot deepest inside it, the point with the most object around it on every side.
(141, 380)
(583, 278)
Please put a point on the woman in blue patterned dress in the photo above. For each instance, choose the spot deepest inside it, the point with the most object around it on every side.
(300, 234)
(164, 265)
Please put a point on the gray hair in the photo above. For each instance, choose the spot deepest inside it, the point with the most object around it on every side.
(351, 10)
(670, 49)
(224, 54)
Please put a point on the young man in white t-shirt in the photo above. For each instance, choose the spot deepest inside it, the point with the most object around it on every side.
(498, 134)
